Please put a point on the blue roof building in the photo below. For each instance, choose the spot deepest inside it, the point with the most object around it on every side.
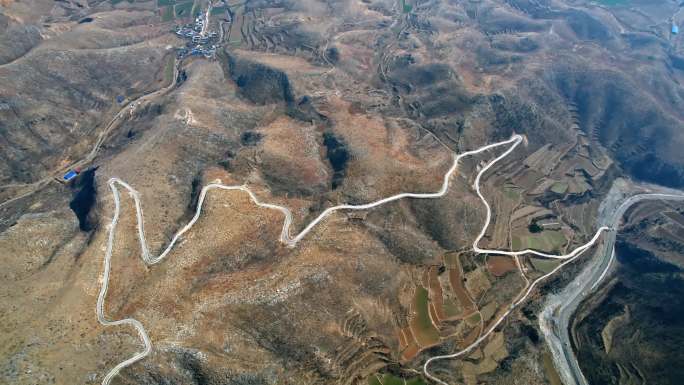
(675, 28)
(71, 174)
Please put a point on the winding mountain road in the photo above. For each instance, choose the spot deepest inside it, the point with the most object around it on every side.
(291, 241)
(567, 258)
(285, 235)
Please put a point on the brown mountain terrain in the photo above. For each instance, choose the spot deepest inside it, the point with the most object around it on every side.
(313, 104)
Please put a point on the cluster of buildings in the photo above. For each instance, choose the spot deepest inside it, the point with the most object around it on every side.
(199, 41)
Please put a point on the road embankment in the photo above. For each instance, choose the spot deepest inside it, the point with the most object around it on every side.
(554, 320)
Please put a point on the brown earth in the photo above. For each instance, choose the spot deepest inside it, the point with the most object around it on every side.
(311, 104)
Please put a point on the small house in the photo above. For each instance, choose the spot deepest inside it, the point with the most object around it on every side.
(71, 174)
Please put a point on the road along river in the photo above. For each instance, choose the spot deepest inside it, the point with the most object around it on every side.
(128, 108)
(555, 318)
(291, 241)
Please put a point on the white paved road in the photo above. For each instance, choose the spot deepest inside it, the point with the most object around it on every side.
(566, 257)
(285, 236)
(290, 241)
